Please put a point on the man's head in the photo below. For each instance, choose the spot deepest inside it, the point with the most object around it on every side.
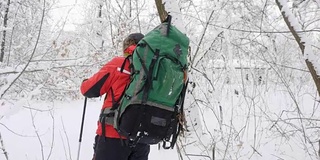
(132, 39)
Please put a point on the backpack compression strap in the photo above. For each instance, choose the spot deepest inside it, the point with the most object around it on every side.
(178, 128)
(107, 114)
(149, 80)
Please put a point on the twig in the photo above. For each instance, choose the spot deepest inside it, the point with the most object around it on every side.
(14, 131)
(34, 109)
(37, 133)
(52, 138)
(319, 149)
(179, 152)
(254, 150)
(197, 155)
(201, 39)
(260, 32)
(64, 147)
(3, 148)
(278, 157)
(66, 135)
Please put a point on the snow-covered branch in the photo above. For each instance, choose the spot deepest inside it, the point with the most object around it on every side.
(312, 60)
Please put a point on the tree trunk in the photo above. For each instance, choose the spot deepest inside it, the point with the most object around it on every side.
(313, 72)
(162, 12)
(100, 29)
(4, 32)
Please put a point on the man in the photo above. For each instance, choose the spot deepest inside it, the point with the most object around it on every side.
(111, 80)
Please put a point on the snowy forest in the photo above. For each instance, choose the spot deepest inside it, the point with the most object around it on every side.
(253, 69)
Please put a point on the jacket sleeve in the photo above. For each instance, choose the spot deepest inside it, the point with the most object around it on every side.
(99, 83)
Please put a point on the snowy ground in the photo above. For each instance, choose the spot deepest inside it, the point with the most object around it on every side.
(22, 142)
(264, 128)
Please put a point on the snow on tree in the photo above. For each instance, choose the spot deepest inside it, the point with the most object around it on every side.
(305, 44)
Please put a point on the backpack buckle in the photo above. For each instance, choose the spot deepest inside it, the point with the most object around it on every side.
(164, 145)
(107, 116)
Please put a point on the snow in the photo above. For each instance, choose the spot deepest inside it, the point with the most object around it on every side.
(58, 127)
(7, 81)
(237, 119)
(308, 52)
(173, 9)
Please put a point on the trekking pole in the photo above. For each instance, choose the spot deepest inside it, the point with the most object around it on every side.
(82, 123)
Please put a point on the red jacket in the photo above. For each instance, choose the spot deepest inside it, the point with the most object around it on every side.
(109, 76)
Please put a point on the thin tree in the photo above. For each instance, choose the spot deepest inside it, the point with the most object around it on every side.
(99, 33)
(4, 32)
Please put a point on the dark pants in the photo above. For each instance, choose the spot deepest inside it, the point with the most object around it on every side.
(114, 149)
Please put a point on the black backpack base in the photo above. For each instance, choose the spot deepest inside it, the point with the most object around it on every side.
(139, 118)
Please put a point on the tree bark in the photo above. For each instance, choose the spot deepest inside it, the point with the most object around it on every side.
(99, 33)
(313, 72)
(162, 12)
(4, 32)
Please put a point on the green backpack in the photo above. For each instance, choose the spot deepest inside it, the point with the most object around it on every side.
(150, 106)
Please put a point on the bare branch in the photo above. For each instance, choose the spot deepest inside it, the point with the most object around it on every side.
(67, 139)
(202, 36)
(3, 148)
(14, 131)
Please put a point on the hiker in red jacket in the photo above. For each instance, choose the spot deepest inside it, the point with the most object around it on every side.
(111, 80)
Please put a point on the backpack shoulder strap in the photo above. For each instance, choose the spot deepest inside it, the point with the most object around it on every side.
(124, 63)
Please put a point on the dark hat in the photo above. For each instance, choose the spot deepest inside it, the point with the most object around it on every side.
(132, 39)
(136, 37)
